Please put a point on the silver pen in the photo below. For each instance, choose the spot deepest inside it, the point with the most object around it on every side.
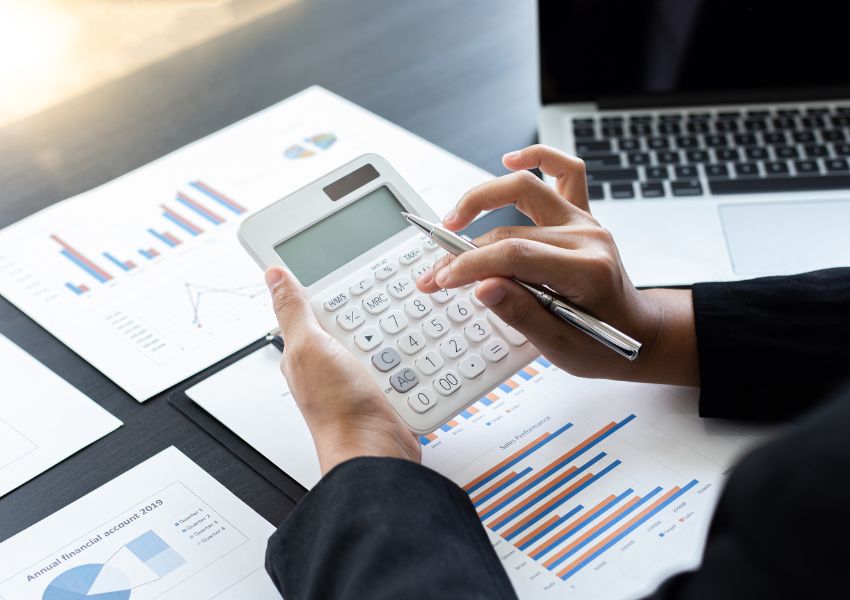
(601, 331)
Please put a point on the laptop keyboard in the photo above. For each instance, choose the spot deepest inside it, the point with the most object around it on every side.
(687, 153)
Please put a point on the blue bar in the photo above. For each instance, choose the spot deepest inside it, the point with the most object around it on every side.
(445, 427)
(551, 527)
(423, 440)
(507, 466)
(83, 266)
(601, 437)
(634, 526)
(574, 493)
(520, 491)
(198, 211)
(505, 388)
(74, 289)
(608, 526)
(116, 261)
(525, 375)
(162, 238)
(179, 224)
(544, 362)
(510, 481)
(568, 533)
(215, 197)
(466, 414)
(486, 401)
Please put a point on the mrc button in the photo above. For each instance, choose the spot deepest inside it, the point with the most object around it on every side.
(333, 303)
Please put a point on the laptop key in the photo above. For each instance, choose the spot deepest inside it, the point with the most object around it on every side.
(612, 120)
(716, 171)
(686, 142)
(788, 112)
(652, 189)
(627, 144)
(716, 140)
(817, 111)
(747, 169)
(745, 139)
(730, 126)
(640, 129)
(658, 143)
(697, 156)
(595, 192)
(592, 147)
(803, 137)
(583, 133)
(690, 187)
(732, 114)
(835, 165)
(756, 153)
(813, 151)
(842, 149)
(758, 114)
(775, 137)
(657, 173)
(602, 160)
(727, 154)
(776, 167)
(833, 135)
(812, 122)
(786, 152)
(612, 131)
(600, 175)
(806, 166)
(639, 158)
(670, 117)
(586, 122)
(670, 157)
(697, 126)
(784, 123)
(622, 191)
(779, 184)
(669, 128)
(755, 125)
(686, 172)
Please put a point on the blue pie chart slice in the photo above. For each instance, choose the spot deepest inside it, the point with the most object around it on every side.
(74, 584)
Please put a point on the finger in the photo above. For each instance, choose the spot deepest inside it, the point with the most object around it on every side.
(569, 171)
(563, 237)
(291, 306)
(531, 196)
(517, 308)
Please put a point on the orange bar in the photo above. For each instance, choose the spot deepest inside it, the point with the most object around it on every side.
(492, 397)
(592, 531)
(472, 410)
(493, 487)
(511, 384)
(618, 531)
(452, 423)
(537, 530)
(501, 464)
(431, 436)
(531, 370)
(572, 526)
(546, 505)
(522, 505)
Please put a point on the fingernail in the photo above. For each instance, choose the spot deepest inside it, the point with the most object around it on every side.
(442, 277)
(274, 277)
(513, 154)
(450, 216)
(490, 295)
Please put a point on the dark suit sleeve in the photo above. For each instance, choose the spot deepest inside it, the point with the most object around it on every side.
(383, 528)
(771, 348)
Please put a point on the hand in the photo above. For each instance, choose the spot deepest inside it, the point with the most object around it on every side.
(571, 253)
(346, 411)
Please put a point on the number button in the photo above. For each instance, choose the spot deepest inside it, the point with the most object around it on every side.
(411, 342)
(460, 311)
(443, 296)
(453, 347)
(471, 367)
(495, 350)
(404, 380)
(386, 270)
(400, 287)
(386, 359)
(421, 401)
(436, 327)
(447, 383)
(333, 303)
(410, 257)
(394, 322)
(376, 302)
(362, 285)
(477, 331)
(368, 339)
(514, 337)
(430, 363)
(419, 270)
(418, 306)
(350, 319)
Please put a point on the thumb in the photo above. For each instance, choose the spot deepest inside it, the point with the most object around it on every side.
(291, 306)
(516, 308)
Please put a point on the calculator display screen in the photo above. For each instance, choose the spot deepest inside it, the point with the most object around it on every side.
(342, 236)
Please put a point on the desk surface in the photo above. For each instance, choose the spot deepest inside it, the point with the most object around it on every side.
(462, 75)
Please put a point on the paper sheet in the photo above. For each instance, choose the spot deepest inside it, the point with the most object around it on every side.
(143, 276)
(165, 530)
(43, 419)
(588, 488)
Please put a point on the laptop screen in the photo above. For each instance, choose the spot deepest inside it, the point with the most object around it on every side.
(633, 51)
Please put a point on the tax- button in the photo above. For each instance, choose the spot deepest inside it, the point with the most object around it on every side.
(368, 339)
(386, 359)
(421, 401)
(376, 302)
(410, 257)
(333, 303)
(404, 380)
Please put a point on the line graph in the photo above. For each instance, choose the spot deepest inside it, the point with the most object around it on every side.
(197, 292)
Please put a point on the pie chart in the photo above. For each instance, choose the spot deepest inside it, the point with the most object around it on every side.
(74, 584)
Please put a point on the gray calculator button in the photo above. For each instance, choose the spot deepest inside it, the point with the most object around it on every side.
(401, 287)
(404, 380)
(421, 401)
(447, 383)
(333, 303)
(386, 359)
(471, 366)
(410, 256)
(376, 302)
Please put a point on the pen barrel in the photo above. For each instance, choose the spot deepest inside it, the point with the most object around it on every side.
(601, 331)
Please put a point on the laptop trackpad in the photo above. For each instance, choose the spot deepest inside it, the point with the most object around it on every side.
(787, 237)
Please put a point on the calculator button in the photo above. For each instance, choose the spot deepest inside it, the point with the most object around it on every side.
(368, 339)
(386, 270)
(514, 337)
(333, 303)
(400, 287)
(471, 367)
(429, 244)
(460, 311)
(418, 306)
(430, 363)
(386, 359)
(364, 284)
(453, 347)
(404, 380)
(495, 350)
(475, 300)
(420, 269)
(447, 383)
(411, 342)
(394, 322)
(350, 319)
(443, 295)
(477, 330)
(422, 401)
(376, 302)
(410, 256)
(436, 327)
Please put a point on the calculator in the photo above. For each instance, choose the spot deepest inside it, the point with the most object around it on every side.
(345, 240)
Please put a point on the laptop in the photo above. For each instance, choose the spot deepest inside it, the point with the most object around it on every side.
(716, 134)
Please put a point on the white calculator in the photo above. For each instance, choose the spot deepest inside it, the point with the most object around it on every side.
(344, 238)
